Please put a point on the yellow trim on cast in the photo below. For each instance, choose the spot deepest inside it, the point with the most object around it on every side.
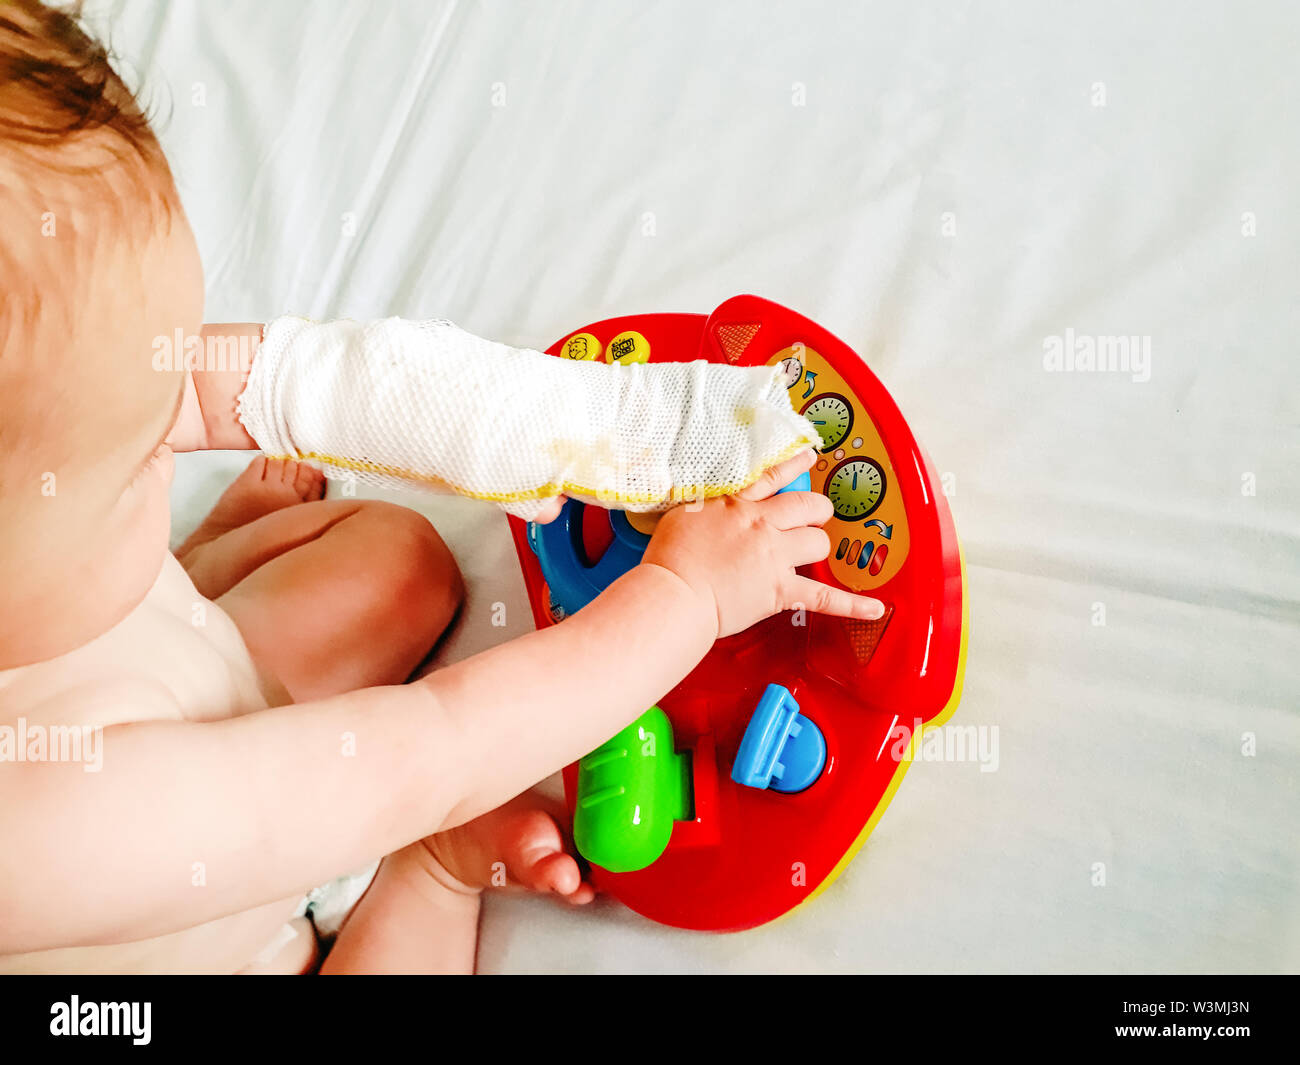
(549, 491)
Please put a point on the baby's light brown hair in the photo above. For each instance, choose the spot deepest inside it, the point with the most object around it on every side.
(81, 173)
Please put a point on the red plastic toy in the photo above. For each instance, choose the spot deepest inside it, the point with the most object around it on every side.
(751, 853)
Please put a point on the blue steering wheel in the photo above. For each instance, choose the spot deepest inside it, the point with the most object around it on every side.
(574, 582)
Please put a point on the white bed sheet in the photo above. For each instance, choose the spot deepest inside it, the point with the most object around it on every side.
(342, 158)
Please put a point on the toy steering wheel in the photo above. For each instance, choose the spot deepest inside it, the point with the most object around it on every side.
(575, 580)
(780, 750)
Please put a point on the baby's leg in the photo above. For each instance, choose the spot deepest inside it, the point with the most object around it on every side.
(264, 486)
(421, 913)
(412, 919)
(330, 595)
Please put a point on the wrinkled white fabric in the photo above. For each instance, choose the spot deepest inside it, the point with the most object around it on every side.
(399, 403)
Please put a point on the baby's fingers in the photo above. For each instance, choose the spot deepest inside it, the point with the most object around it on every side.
(823, 599)
(550, 510)
(805, 545)
(774, 478)
(794, 510)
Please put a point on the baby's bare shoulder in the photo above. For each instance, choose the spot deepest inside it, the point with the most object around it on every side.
(176, 656)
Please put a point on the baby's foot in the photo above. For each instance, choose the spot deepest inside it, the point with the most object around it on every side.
(517, 846)
(266, 485)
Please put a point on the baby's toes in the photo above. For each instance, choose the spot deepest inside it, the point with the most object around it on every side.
(288, 481)
(286, 471)
(582, 894)
(309, 483)
(541, 862)
(556, 873)
(276, 471)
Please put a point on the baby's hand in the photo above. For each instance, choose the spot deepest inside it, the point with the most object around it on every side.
(741, 552)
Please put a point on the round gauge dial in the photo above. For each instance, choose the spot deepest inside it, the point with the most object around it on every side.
(855, 488)
(791, 371)
(832, 417)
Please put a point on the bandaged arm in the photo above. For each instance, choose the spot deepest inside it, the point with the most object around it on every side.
(424, 404)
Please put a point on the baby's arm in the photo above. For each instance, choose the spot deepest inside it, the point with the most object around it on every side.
(207, 420)
(407, 404)
(275, 802)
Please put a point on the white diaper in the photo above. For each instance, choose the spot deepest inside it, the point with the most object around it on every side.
(399, 403)
(329, 905)
(326, 907)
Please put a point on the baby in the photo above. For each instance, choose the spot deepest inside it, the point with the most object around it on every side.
(259, 734)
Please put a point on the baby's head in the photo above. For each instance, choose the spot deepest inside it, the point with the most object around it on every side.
(96, 260)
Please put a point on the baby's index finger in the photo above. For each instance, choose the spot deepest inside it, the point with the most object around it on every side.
(774, 478)
(794, 510)
(824, 599)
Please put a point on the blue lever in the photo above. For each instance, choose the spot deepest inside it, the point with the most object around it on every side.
(781, 749)
(558, 545)
(802, 483)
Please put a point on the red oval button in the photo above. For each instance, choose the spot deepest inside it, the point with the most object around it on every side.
(878, 559)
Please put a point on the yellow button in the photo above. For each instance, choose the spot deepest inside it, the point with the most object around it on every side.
(628, 347)
(581, 346)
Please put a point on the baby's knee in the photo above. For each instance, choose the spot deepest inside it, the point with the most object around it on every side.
(414, 570)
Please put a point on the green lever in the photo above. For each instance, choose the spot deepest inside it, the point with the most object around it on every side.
(630, 791)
